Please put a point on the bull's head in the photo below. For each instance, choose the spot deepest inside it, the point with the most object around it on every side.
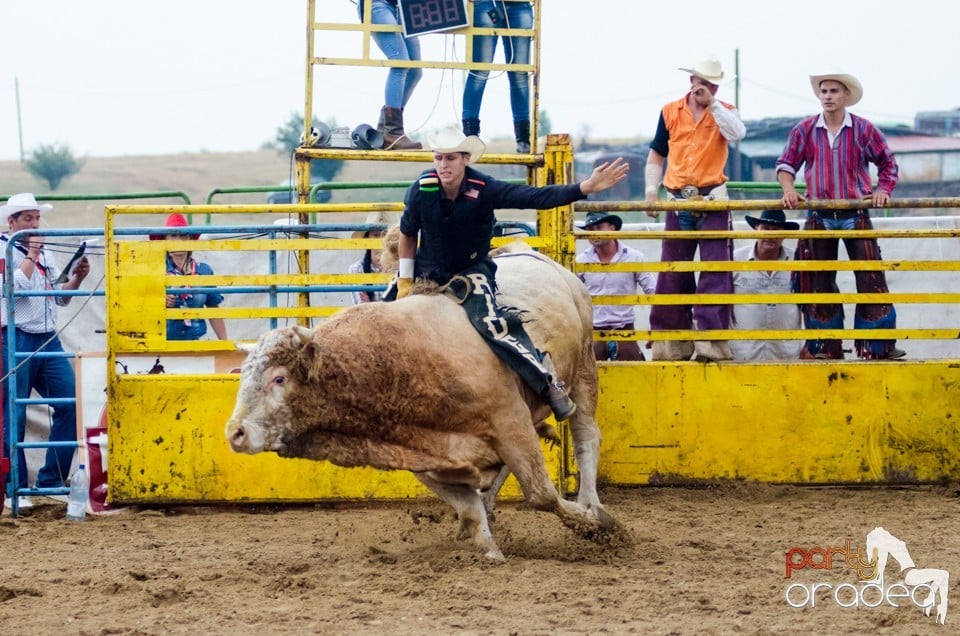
(281, 360)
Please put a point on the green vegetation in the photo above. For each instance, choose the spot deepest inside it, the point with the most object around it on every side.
(53, 164)
(544, 123)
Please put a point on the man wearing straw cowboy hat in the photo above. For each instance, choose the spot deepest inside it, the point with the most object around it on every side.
(452, 209)
(693, 133)
(836, 148)
(33, 269)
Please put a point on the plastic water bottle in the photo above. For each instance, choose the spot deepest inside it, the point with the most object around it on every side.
(77, 499)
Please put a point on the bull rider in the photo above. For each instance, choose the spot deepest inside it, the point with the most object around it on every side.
(452, 210)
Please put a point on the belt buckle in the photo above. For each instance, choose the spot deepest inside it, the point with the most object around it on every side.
(691, 193)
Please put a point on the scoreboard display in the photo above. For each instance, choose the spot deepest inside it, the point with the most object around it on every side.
(429, 16)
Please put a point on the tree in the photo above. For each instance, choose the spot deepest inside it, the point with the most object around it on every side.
(287, 140)
(544, 124)
(53, 164)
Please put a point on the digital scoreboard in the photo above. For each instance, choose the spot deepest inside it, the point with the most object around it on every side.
(429, 16)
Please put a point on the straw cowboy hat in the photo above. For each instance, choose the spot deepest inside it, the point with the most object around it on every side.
(20, 202)
(772, 217)
(451, 139)
(851, 82)
(175, 220)
(595, 218)
(376, 218)
(708, 68)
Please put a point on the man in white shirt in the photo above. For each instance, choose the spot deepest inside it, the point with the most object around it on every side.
(33, 269)
(772, 315)
(607, 317)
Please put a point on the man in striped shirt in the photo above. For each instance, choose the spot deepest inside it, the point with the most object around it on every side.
(836, 148)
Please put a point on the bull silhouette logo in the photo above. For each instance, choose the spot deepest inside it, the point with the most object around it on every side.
(881, 546)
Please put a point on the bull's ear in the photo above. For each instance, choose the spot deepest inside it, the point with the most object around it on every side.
(305, 334)
(309, 361)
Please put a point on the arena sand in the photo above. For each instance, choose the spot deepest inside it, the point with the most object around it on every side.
(707, 560)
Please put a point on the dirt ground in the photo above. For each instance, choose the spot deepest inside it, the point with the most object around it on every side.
(707, 560)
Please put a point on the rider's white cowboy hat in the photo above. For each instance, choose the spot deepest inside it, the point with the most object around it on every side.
(451, 139)
(708, 68)
(20, 202)
(851, 82)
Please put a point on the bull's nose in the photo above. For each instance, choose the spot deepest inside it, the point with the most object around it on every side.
(238, 438)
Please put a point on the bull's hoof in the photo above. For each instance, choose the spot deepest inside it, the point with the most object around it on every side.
(496, 556)
(609, 531)
(594, 524)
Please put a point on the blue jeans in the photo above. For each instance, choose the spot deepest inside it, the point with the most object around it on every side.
(52, 378)
(516, 50)
(400, 81)
(839, 224)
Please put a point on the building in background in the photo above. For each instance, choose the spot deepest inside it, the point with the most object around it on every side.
(938, 122)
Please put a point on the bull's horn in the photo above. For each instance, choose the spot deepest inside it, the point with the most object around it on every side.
(246, 347)
(305, 334)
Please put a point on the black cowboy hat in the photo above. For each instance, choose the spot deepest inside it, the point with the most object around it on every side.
(594, 218)
(773, 217)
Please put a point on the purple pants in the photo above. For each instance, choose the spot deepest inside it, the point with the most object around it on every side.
(686, 316)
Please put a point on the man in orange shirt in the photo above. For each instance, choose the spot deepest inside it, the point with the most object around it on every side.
(693, 132)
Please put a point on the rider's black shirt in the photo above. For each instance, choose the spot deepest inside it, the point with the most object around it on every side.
(455, 234)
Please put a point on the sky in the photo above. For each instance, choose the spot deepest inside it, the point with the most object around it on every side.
(126, 77)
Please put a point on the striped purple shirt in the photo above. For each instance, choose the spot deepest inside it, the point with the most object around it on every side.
(839, 171)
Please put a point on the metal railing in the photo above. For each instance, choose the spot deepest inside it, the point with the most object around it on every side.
(793, 266)
(14, 360)
(110, 196)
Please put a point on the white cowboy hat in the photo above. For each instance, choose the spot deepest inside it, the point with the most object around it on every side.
(452, 139)
(20, 202)
(851, 82)
(708, 68)
(376, 218)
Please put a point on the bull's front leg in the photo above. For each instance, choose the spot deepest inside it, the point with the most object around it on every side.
(470, 511)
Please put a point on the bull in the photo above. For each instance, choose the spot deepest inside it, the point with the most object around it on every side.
(410, 385)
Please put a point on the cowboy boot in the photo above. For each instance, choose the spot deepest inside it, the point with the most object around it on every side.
(391, 127)
(382, 123)
(560, 403)
(521, 130)
(471, 127)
